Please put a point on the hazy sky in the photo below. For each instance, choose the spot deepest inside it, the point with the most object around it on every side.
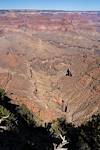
(51, 4)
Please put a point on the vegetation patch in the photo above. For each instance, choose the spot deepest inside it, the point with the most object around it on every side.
(21, 130)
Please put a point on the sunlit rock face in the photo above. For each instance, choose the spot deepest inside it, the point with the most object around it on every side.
(50, 61)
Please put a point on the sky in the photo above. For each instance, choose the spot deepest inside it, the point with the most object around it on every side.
(51, 4)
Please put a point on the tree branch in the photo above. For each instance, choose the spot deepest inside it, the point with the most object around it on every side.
(60, 146)
(3, 118)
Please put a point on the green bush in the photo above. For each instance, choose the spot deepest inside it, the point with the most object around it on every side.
(10, 121)
(2, 93)
(28, 116)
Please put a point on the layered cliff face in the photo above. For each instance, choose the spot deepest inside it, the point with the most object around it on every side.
(51, 63)
(49, 21)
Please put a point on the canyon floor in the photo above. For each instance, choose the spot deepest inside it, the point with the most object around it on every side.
(50, 62)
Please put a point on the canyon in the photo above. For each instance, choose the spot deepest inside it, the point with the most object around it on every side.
(50, 62)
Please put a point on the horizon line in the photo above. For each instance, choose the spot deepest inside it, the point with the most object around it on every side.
(32, 9)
